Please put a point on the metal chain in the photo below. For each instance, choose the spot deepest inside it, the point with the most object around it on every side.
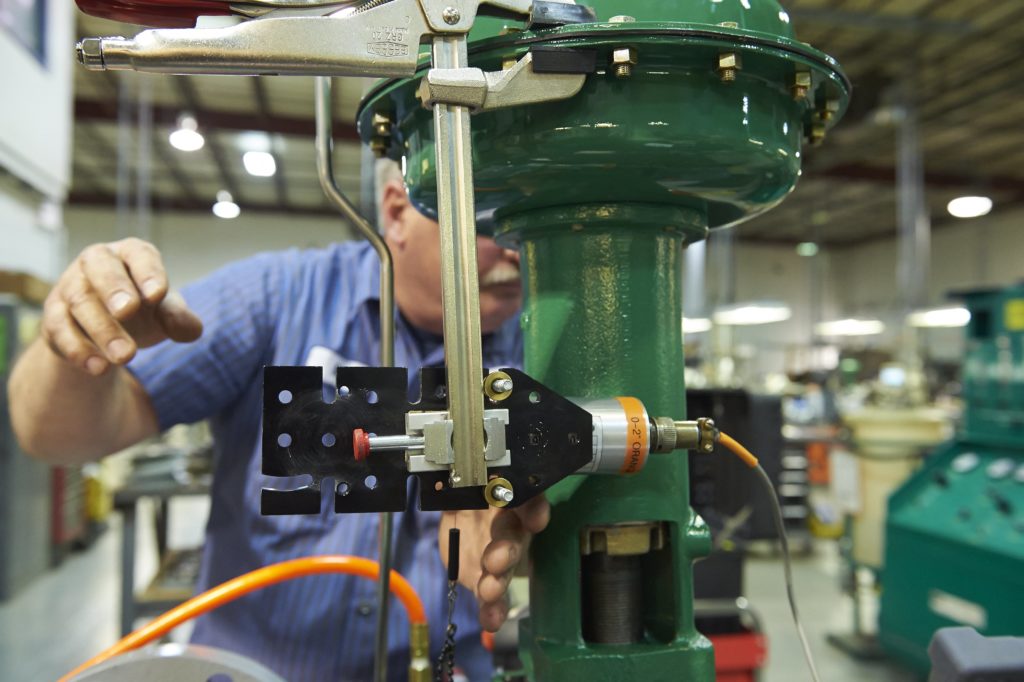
(445, 670)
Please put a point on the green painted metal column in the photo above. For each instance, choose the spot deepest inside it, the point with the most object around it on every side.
(602, 318)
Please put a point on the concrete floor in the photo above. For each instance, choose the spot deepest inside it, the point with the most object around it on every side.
(69, 614)
(823, 610)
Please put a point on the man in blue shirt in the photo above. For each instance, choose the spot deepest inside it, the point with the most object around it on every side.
(121, 357)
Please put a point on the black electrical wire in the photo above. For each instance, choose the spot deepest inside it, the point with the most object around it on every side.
(780, 527)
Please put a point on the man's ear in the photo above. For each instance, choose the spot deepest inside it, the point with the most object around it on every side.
(393, 204)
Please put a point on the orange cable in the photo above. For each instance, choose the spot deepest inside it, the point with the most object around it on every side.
(733, 445)
(250, 582)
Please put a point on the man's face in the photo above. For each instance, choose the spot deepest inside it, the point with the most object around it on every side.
(415, 242)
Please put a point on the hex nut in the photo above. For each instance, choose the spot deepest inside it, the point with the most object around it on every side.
(728, 64)
(801, 85)
(623, 61)
(624, 55)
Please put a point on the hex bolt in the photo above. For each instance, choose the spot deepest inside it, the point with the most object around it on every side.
(502, 493)
(816, 133)
(502, 385)
(801, 85)
(379, 147)
(498, 492)
(381, 139)
(451, 15)
(728, 64)
(382, 125)
(829, 110)
(623, 61)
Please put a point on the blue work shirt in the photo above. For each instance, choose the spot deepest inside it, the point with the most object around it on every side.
(293, 308)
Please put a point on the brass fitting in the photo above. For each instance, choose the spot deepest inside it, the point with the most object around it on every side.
(696, 434)
(419, 649)
(801, 85)
(623, 61)
(729, 63)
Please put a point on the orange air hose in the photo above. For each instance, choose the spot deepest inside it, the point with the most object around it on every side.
(250, 582)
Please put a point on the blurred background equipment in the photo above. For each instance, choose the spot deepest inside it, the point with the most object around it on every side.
(954, 537)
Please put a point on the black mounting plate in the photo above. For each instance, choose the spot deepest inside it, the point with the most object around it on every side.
(548, 436)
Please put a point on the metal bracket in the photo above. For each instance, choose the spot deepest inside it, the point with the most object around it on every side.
(436, 429)
(545, 439)
(486, 91)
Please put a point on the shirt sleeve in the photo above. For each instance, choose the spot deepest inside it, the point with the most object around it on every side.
(239, 306)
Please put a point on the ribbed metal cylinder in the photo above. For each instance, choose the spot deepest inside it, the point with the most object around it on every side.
(612, 599)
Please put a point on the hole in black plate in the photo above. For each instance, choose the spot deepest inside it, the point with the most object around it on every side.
(284, 440)
(371, 397)
(284, 397)
(534, 479)
(370, 482)
(534, 397)
(328, 440)
(343, 391)
(440, 392)
(438, 486)
(343, 488)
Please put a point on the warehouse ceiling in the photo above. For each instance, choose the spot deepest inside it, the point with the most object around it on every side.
(962, 60)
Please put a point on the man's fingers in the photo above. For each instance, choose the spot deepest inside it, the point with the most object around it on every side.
(535, 514)
(501, 556)
(493, 614)
(178, 321)
(100, 326)
(66, 339)
(143, 262)
(105, 274)
(492, 587)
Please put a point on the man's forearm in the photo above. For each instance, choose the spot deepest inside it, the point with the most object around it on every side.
(65, 416)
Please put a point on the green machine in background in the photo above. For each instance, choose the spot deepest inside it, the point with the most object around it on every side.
(955, 531)
(693, 117)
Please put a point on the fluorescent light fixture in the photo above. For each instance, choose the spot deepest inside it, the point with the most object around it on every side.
(807, 249)
(696, 325)
(260, 164)
(969, 207)
(226, 207)
(940, 317)
(187, 137)
(849, 327)
(253, 141)
(764, 312)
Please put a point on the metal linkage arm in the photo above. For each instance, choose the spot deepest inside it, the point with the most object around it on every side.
(309, 39)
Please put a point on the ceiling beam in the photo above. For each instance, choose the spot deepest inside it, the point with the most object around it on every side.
(180, 205)
(887, 175)
(212, 119)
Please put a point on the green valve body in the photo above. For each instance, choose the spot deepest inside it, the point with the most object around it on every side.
(600, 192)
(601, 318)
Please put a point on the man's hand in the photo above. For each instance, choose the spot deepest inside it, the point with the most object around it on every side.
(492, 543)
(112, 300)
